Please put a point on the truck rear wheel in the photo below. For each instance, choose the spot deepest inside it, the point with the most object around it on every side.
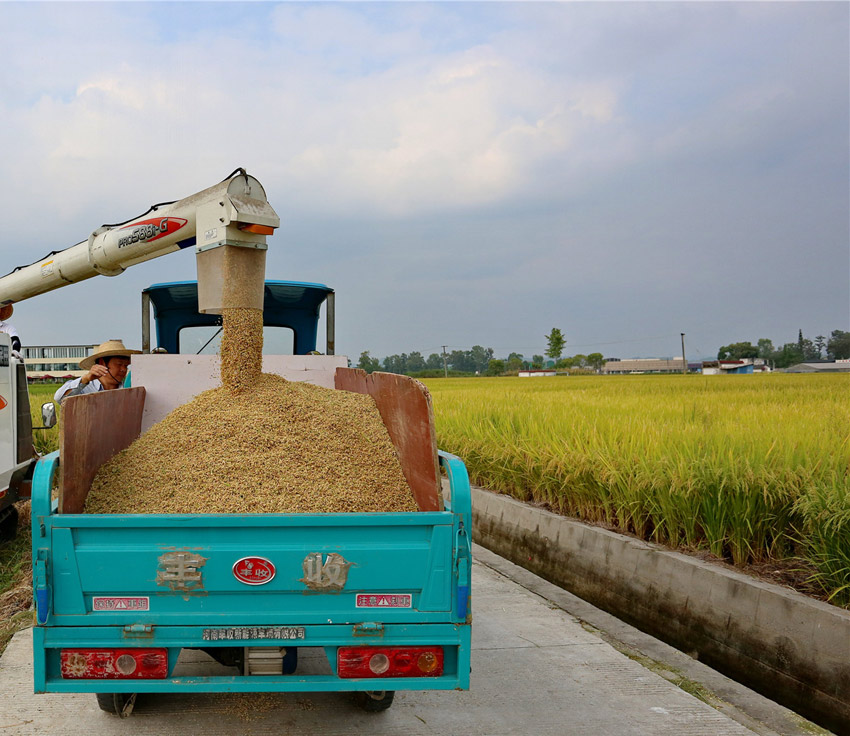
(119, 704)
(375, 701)
(8, 523)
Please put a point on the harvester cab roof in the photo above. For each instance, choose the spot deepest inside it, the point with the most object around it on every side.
(291, 304)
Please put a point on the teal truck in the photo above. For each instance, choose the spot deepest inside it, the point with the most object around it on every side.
(367, 603)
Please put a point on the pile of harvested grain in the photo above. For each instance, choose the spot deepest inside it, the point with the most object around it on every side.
(278, 447)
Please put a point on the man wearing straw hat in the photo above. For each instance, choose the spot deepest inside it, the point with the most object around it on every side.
(106, 370)
(7, 327)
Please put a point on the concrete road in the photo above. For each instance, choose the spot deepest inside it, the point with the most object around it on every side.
(535, 672)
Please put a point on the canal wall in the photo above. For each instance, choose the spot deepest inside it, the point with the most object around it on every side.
(787, 646)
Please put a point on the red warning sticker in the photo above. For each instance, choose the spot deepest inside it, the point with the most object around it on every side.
(384, 600)
(121, 604)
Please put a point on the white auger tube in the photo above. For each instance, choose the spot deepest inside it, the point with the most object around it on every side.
(216, 216)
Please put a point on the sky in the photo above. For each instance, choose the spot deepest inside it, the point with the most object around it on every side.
(460, 174)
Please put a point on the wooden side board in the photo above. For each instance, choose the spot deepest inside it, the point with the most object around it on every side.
(93, 428)
(405, 407)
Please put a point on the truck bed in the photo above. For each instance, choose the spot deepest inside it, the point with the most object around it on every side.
(170, 580)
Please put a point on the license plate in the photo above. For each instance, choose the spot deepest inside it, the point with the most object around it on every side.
(248, 633)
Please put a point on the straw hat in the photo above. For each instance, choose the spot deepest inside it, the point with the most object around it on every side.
(6, 312)
(107, 349)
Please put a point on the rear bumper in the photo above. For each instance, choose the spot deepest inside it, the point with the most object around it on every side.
(49, 641)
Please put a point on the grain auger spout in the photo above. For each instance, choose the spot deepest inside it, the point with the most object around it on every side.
(227, 224)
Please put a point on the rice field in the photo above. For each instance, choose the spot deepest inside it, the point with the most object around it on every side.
(44, 440)
(750, 468)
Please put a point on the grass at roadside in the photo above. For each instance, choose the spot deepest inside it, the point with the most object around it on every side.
(15, 580)
(15, 555)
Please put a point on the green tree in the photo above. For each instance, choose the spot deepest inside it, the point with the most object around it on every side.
(556, 342)
(536, 361)
(396, 363)
(596, 361)
(810, 352)
(415, 362)
(434, 362)
(368, 363)
(461, 360)
(496, 368)
(515, 362)
(480, 358)
(820, 345)
(838, 346)
(738, 351)
(789, 354)
(765, 348)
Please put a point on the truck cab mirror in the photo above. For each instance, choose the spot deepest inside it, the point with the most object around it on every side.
(48, 415)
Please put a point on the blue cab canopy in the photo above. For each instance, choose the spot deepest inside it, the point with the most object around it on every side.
(292, 304)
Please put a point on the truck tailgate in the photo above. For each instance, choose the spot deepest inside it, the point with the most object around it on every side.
(245, 586)
(250, 569)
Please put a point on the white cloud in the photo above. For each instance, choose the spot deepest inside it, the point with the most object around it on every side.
(428, 131)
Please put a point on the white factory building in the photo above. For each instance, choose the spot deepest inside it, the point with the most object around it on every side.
(54, 362)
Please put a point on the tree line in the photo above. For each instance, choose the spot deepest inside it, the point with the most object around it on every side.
(476, 360)
(834, 347)
(481, 361)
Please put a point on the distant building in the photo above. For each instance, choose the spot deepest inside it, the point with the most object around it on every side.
(55, 362)
(837, 366)
(745, 365)
(643, 365)
(536, 373)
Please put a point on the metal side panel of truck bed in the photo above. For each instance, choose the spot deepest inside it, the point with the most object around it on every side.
(173, 581)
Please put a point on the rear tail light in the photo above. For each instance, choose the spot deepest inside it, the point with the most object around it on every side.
(389, 661)
(114, 664)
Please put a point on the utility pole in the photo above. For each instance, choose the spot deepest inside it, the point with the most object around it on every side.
(445, 364)
(684, 359)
